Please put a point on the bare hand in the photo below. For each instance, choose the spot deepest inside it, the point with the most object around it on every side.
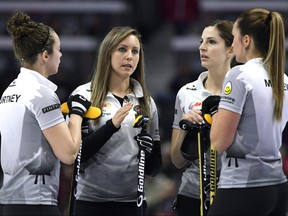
(120, 115)
(194, 116)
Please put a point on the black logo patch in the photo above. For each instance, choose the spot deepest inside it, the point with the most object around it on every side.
(50, 108)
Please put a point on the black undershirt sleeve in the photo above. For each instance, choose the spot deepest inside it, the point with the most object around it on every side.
(154, 163)
(94, 141)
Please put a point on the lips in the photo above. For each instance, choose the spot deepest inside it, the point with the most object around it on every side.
(127, 65)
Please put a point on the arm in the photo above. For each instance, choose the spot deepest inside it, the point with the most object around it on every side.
(223, 129)
(93, 142)
(178, 136)
(65, 141)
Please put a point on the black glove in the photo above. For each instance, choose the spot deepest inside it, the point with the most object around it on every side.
(187, 125)
(145, 141)
(189, 148)
(78, 105)
(86, 127)
(210, 107)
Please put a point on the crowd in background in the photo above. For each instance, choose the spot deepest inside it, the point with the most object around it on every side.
(184, 16)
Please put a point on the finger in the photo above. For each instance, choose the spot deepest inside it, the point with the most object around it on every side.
(196, 116)
(128, 105)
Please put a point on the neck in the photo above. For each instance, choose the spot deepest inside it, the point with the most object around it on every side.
(213, 82)
(120, 89)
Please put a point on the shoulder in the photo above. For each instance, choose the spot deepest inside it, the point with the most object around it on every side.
(84, 90)
(237, 73)
(47, 94)
(192, 86)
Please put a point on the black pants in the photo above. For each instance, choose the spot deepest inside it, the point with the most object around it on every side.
(187, 206)
(30, 210)
(269, 200)
(108, 208)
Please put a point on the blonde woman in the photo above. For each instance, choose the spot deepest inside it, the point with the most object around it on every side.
(110, 153)
(251, 116)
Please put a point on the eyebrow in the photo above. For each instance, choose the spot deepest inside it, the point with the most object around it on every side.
(127, 46)
(212, 38)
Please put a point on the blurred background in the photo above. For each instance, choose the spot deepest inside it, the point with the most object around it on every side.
(171, 32)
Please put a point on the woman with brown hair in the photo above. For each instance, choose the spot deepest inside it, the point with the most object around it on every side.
(34, 134)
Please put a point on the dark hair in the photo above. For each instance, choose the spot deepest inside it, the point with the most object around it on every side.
(268, 33)
(225, 30)
(29, 38)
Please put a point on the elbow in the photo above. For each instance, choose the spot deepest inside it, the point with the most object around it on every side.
(177, 165)
(216, 142)
(217, 148)
(68, 159)
(177, 162)
(220, 146)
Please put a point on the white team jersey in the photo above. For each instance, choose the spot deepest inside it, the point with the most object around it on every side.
(31, 170)
(190, 97)
(253, 159)
(111, 174)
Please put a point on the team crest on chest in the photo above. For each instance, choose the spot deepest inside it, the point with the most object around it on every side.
(195, 105)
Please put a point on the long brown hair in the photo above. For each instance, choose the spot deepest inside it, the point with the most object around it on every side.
(267, 30)
(100, 78)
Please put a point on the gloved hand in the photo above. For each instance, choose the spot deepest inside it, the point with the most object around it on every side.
(210, 107)
(145, 141)
(189, 148)
(187, 125)
(86, 127)
(78, 105)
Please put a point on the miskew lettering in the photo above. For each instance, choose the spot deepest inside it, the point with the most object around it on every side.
(77, 172)
(267, 83)
(10, 98)
(213, 177)
(50, 108)
(141, 177)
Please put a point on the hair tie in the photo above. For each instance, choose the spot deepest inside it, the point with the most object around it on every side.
(269, 18)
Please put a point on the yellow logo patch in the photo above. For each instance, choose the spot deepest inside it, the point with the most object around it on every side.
(228, 88)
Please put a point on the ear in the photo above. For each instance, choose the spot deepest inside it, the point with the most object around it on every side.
(45, 56)
(246, 41)
(230, 52)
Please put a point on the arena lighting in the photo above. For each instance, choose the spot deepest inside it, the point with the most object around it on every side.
(237, 5)
(67, 43)
(191, 43)
(65, 6)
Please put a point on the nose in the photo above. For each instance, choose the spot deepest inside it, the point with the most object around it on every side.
(202, 46)
(129, 55)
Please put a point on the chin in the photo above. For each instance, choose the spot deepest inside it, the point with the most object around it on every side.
(204, 64)
(53, 73)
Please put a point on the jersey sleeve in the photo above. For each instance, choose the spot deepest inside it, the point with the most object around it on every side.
(84, 90)
(46, 108)
(234, 91)
(178, 112)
